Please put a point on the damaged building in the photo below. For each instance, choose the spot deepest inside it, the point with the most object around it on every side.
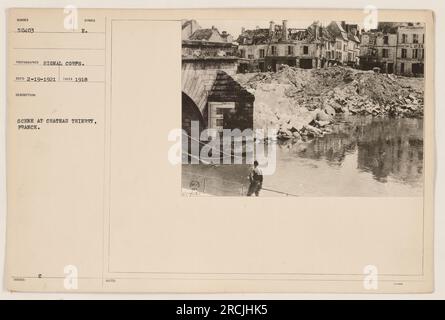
(394, 48)
(265, 49)
(344, 44)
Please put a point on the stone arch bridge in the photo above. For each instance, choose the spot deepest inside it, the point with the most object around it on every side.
(207, 80)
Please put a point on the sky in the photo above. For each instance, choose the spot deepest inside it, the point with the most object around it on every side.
(234, 26)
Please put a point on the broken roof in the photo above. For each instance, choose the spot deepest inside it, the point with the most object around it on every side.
(392, 27)
(313, 33)
(202, 34)
(255, 36)
(337, 30)
(264, 36)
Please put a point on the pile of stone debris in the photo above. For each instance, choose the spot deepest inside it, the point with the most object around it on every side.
(302, 103)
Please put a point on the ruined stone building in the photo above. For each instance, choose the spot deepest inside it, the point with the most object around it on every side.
(344, 45)
(265, 49)
(395, 48)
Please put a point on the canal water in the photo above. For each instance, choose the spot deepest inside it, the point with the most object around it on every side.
(363, 156)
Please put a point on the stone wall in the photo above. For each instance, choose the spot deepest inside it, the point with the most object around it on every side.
(226, 89)
(198, 76)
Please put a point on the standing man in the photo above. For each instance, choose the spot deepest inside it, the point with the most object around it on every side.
(256, 180)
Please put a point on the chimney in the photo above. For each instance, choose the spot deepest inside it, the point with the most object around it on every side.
(316, 30)
(271, 27)
(285, 34)
(242, 30)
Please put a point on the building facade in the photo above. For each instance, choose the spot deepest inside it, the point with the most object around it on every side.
(265, 49)
(410, 50)
(394, 48)
(343, 45)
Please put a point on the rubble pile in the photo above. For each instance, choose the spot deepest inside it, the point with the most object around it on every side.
(302, 103)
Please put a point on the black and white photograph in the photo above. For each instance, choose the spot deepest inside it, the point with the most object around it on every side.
(223, 151)
(302, 108)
